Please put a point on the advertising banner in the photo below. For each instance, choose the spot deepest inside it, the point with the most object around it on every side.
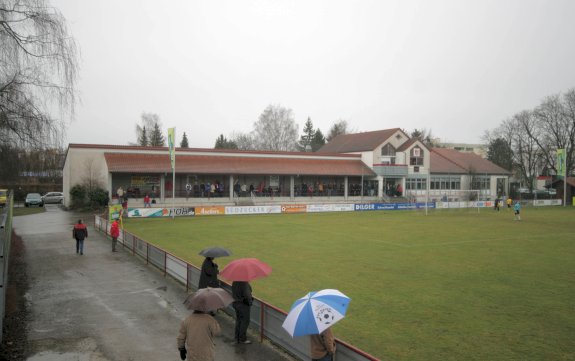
(210, 211)
(144, 180)
(254, 210)
(329, 208)
(160, 212)
(392, 206)
(561, 162)
(114, 212)
(172, 146)
(294, 208)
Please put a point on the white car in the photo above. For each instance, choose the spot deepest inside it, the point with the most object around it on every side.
(53, 197)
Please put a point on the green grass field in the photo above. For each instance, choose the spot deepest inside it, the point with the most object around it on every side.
(450, 285)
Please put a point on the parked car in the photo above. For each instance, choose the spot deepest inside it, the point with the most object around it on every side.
(34, 199)
(53, 197)
(524, 190)
(552, 192)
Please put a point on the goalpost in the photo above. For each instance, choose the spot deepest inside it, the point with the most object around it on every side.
(455, 199)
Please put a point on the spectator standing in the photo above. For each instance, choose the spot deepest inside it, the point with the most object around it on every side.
(209, 274)
(114, 233)
(120, 194)
(188, 190)
(80, 232)
(242, 294)
(147, 201)
(197, 332)
(322, 346)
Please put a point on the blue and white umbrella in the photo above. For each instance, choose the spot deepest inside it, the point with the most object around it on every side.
(315, 312)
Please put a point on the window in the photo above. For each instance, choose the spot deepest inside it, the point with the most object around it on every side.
(388, 154)
(416, 183)
(416, 157)
(445, 182)
(388, 150)
(481, 182)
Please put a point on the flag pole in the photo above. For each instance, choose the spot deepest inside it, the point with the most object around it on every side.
(172, 149)
(565, 178)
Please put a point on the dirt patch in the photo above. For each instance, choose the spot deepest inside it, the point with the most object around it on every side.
(15, 338)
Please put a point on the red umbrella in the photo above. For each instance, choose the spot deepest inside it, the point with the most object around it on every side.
(245, 269)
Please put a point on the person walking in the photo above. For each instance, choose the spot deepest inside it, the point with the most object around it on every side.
(197, 332)
(517, 209)
(114, 233)
(322, 346)
(242, 294)
(209, 274)
(80, 232)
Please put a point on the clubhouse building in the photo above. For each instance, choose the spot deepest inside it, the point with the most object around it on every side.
(378, 166)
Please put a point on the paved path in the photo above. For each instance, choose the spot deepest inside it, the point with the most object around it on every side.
(105, 306)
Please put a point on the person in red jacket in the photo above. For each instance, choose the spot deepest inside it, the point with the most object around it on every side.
(80, 232)
(114, 233)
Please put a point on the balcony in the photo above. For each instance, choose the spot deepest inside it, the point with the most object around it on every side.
(390, 169)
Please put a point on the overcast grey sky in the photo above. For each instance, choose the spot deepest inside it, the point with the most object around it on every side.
(211, 67)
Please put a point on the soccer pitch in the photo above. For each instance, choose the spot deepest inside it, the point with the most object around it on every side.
(450, 285)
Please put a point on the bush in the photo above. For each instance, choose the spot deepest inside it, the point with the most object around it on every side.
(98, 197)
(85, 198)
(78, 195)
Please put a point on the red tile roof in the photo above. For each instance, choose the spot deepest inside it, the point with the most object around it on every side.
(229, 164)
(358, 142)
(445, 160)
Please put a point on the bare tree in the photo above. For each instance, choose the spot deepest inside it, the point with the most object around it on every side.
(92, 179)
(339, 127)
(426, 136)
(38, 73)
(528, 157)
(243, 141)
(275, 129)
(554, 129)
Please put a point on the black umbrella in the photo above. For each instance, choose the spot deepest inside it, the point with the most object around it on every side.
(215, 252)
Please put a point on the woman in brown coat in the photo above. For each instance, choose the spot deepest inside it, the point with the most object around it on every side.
(196, 337)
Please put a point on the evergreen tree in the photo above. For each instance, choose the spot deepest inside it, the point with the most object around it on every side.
(223, 143)
(143, 139)
(318, 140)
(184, 143)
(305, 141)
(500, 153)
(157, 139)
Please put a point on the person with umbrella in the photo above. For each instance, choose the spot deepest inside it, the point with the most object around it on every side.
(242, 294)
(198, 330)
(322, 346)
(209, 271)
(240, 272)
(209, 274)
(313, 315)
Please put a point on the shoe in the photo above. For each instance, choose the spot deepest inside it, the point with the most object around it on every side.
(246, 342)
(81, 253)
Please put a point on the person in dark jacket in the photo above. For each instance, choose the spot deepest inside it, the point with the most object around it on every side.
(209, 274)
(242, 294)
(80, 232)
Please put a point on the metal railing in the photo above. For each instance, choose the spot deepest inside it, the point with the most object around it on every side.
(267, 318)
